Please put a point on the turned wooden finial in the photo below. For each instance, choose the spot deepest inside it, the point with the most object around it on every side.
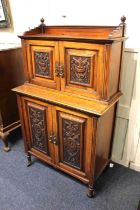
(42, 25)
(123, 24)
(123, 19)
(42, 20)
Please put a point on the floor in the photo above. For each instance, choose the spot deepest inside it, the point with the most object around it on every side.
(40, 187)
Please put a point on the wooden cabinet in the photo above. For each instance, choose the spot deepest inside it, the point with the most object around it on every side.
(11, 75)
(67, 105)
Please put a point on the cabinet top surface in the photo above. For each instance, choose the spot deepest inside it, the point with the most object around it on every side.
(64, 99)
(100, 34)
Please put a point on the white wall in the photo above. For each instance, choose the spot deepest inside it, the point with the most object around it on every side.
(27, 13)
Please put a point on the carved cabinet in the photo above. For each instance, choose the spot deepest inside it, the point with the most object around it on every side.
(67, 105)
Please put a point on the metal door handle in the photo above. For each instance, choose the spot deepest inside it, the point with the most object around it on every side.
(57, 69)
(51, 137)
(55, 139)
(61, 73)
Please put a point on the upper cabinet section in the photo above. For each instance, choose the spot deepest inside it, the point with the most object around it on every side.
(80, 60)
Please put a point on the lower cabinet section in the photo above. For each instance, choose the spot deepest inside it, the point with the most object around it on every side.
(72, 141)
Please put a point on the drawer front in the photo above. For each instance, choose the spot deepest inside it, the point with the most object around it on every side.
(83, 69)
(42, 60)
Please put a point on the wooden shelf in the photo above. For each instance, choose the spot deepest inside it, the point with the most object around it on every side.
(65, 99)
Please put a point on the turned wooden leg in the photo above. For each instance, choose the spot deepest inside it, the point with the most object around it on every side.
(91, 192)
(4, 137)
(29, 160)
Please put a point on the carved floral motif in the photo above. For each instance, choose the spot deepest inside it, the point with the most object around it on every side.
(71, 142)
(38, 129)
(80, 69)
(42, 63)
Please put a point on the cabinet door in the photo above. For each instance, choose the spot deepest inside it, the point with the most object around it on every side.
(83, 71)
(38, 127)
(74, 144)
(43, 61)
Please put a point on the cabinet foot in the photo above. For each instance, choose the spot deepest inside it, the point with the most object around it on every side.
(4, 137)
(91, 192)
(29, 160)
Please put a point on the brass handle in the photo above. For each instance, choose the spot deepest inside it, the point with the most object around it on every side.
(51, 137)
(57, 69)
(61, 71)
(55, 139)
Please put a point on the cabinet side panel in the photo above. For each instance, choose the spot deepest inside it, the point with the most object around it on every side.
(115, 68)
(105, 127)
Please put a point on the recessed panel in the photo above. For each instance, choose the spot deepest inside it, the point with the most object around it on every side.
(38, 128)
(80, 66)
(42, 63)
(71, 136)
(80, 69)
(71, 133)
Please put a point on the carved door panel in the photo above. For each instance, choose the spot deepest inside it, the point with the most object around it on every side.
(43, 61)
(82, 64)
(38, 127)
(74, 133)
